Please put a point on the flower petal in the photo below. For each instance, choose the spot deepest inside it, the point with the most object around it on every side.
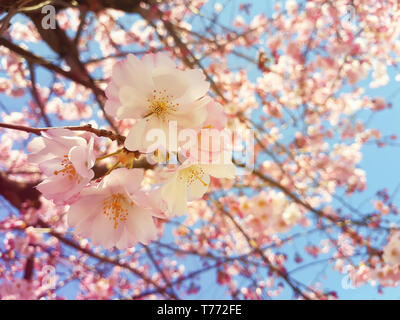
(147, 135)
(123, 178)
(196, 85)
(198, 187)
(133, 141)
(193, 118)
(221, 170)
(133, 103)
(140, 223)
(80, 161)
(174, 193)
(83, 209)
(55, 185)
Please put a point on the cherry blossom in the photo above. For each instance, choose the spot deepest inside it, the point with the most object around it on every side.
(19, 289)
(164, 93)
(391, 252)
(115, 212)
(66, 160)
(190, 181)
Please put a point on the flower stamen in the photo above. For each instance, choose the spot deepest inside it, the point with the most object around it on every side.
(68, 170)
(198, 178)
(191, 174)
(161, 104)
(114, 207)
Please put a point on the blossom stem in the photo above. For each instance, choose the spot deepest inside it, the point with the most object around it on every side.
(148, 115)
(109, 155)
(113, 167)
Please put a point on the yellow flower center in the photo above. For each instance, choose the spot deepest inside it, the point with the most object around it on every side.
(160, 104)
(68, 170)
(115, 208)
(191, 174)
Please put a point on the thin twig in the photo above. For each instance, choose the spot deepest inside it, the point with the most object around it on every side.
(86, 127)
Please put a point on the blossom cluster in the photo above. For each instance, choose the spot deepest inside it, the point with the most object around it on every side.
(114, 209)
(270, 212)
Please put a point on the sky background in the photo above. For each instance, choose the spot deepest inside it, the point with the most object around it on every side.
(381, 167)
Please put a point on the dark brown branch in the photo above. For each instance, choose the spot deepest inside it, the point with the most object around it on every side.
(19, 193)
(95, 6)
(87, 127)
(36, 95)
(44, 63)
(29, 267)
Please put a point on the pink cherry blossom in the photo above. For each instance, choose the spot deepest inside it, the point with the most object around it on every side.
(216, 117)
(391, 252)
(115, 212)
(163, 93)
(19, 289)
(190, 181)
(66, 160)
